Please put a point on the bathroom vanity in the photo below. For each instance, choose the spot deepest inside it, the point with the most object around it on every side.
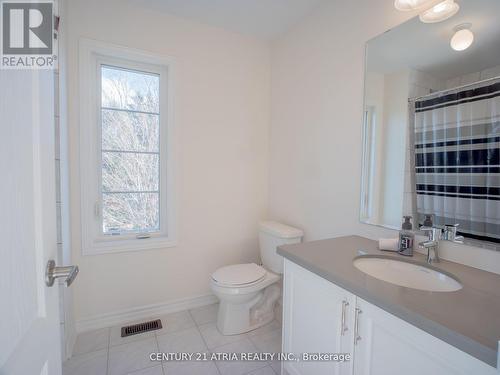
(331, 306)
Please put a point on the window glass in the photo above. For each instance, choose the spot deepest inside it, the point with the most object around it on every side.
(130, 151)
(130, 90)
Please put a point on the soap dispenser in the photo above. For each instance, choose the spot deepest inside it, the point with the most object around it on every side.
(406, 237)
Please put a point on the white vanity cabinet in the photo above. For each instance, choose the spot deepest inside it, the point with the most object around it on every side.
(316, 319)
(379, 342)
(388, 345)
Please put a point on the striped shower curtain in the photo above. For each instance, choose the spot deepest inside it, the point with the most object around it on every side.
(457, 165)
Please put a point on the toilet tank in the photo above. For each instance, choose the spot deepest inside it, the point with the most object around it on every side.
(272, 235)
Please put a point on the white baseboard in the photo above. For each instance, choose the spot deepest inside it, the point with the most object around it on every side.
(143, 312)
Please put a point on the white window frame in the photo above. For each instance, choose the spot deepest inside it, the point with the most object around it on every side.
(368, 169)
(93, 55)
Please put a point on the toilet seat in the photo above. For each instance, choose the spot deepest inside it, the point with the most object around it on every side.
(239, 275)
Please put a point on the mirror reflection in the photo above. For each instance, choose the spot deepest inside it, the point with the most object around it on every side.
(431, 124)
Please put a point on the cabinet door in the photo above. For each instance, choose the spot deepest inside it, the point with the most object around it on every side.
(312, 321)
(388, 345)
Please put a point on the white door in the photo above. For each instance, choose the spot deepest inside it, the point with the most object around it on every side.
(315, 311)
(29, 316)
(388, 345)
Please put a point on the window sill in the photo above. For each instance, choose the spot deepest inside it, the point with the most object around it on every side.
(128, 245)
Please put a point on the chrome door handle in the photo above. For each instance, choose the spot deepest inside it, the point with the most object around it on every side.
(357, 337)
(52, 273)
(343, 327)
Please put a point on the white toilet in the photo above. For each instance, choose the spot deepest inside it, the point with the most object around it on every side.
(248, 292)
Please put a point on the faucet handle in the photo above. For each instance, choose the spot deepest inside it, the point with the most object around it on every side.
(434, 232)
(450, 233)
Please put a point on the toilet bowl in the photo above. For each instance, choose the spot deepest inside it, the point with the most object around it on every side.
(248, 292)
(242, 307)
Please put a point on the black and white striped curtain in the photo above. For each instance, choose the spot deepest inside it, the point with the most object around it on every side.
(457, 145)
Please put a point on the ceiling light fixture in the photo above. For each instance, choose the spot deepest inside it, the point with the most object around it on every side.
(406, 5)
(440, 12)
(463, 37)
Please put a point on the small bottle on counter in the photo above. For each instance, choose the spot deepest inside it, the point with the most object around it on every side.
(406, 237)
(428, 222)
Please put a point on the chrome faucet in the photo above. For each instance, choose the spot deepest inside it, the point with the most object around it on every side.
(432, 243)
(450, 234)
(436, 233)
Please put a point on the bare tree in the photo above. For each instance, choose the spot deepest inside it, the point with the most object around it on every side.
(130, 150)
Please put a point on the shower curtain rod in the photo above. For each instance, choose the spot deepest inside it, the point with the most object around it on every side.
(453, 89)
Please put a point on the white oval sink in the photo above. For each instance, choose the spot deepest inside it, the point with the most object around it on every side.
(407, 274)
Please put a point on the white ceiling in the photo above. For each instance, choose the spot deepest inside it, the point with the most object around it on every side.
(260, 18)
(426, 47)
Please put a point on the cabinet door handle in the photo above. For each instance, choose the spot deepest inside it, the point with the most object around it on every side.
(357, 337)
(343, 326)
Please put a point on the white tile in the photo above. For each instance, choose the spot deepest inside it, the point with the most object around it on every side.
(157, 370)
(268, 342)
(470, 78)
(276, 366)
(116, 339)
(175, 322)
(91, 341)
(409, 187)
(263, 371)
(408, 167)
(205, 314)
(270, 327)
(191, 368)
(416, 91)
(452, 83)
(239, 367)
(94, 363)
(424, 80)
(131, 357)
(214, 338)
(491, 73)
(186, 341)
(408, 203)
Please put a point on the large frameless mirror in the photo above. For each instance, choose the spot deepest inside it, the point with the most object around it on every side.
(431, 124)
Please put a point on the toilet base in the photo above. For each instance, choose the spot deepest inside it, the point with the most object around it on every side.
(234, 319)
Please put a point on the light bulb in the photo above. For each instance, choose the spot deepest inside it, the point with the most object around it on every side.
(440, 12)
(439, 8)
(406, 5)
(462, 39)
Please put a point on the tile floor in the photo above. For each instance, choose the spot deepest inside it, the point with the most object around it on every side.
(105, 352)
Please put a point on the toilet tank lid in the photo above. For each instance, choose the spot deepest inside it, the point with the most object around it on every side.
(280, 230)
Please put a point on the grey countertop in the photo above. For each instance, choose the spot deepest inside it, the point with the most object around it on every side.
(468, 319)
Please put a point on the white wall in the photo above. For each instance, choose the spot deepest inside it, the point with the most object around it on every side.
(394, 134)
(374, 98)
(225, 179)
(387, 94)
(317, 104)
(222, 114)
(316, 115)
